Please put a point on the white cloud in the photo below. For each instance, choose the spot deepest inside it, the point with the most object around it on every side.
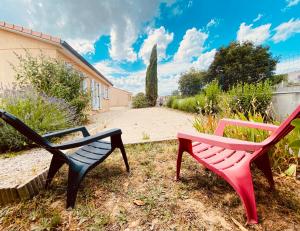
(168, 73)
(212, 22)
(189, 55)
(204, 60)
(191, 45)
(259, 16)
(286, 30)
(123, 20)
(291, 3)
(82, 46)
(157, 36)
(257, 35)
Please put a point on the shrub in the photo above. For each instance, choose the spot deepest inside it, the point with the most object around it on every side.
(139, 101)
(212, 92)
(53, 78)
(191, 82)
(170, 100)
(41, 113)
(251, 98)
(188, 104)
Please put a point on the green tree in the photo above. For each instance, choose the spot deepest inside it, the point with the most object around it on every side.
(191, 82)
(242, 63)
(151, 78)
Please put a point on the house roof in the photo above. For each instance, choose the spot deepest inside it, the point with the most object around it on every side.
(52, 39)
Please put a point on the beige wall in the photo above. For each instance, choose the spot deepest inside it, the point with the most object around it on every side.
(12, 42)
(119, 97)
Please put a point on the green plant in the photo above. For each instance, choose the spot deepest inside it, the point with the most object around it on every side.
(53, 78)
(41, 113)
(139, 101)
(212, 94)
(191, 82)
(240, 63)
(295, 145)
(170, 100)
(151, 78)
(251, 98)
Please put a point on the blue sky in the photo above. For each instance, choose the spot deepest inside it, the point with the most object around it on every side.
(117, 35)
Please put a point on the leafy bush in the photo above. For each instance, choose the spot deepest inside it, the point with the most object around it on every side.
(170, 101)
(53, 78)
(139, 101)
(191, 82)
(251, 98)
(188, 104)
(41, 113)
(212, 94)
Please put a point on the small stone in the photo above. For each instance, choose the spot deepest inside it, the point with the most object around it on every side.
(139, 202)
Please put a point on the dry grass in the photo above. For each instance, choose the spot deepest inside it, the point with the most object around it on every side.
(149, 199)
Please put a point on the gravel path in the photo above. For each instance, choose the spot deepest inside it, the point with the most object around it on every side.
(138, 125)
(146, 124)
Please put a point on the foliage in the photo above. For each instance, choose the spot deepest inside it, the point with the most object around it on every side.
(53, 78)
(212, 93)
(251, 98)
(41, 113)
(205, 102)
(175, 93)
(276, 79)
(191, 82)
(151, 78)
(139, 101)
(241, 63)
(170, 100)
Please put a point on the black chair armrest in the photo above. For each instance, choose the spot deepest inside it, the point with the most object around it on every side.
(82, 129)
(87, 140)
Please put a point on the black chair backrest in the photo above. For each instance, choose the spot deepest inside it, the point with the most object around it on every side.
(23, 129)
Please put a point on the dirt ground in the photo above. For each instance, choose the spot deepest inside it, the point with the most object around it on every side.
(144, 124)
(149, 199)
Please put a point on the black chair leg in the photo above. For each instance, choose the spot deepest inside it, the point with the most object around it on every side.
(74, 179)
(124, 156)
(117, 142)
(55, 165)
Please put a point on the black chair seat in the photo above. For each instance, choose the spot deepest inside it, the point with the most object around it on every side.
(92, 153)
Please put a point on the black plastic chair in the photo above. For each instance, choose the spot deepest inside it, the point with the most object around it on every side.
(93, 150)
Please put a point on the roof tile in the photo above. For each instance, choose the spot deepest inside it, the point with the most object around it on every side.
(30, 32)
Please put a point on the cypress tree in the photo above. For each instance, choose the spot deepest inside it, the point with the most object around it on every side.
(151, 78)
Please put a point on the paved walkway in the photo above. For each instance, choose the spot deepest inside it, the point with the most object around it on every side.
(138, 125)
(146, 124)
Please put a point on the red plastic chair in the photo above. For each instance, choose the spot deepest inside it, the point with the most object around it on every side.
(231, 158)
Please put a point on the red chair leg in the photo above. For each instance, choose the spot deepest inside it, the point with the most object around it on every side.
(184, 146)
(263, 163)
(242, 183)
(179, 160)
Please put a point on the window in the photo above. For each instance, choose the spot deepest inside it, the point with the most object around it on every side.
(84, 85)
(105, 92)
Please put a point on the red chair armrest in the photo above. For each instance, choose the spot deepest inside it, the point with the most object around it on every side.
(220, 141)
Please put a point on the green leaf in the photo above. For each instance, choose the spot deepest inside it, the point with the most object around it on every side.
(295, 144)
(296, 123)
(291, 171)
